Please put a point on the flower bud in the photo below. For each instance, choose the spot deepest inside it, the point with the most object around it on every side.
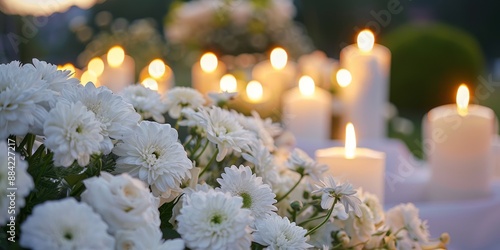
(296, 205)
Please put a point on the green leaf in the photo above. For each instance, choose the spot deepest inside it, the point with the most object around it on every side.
(166, 213)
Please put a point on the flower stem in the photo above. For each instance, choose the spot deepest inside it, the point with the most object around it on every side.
(326, 219)
(291, 190)
(209, 163)
(311, 219)
(202, 151)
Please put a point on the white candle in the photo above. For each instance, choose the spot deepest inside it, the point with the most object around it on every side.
(362, 167)
(157, 76)
(119, 70)
(228, 83)
(207, 72)
(307, 110)
(365, 99)
(459, 149)
(319, 67)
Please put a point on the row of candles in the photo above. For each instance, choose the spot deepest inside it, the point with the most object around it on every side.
(461, 154)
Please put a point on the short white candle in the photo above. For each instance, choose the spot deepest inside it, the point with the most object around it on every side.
(459, 149)
(365, 99)
(207, 72)
(307, 110)
(361, 167)
(119, 70)
(160, 73)
(228, 83)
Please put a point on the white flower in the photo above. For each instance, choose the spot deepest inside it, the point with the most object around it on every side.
(360, 228)
(300, 162)
(56, 79)
(153, 154)
(22, 95)
(215, 220)
(117, 118)
(372, 202)
(344, 193)
(406, 216)
(223, 130)
(146, 102)
(122, 201)
(65, 224)
(72, 133)
(24, 182)
(220, 99)
(147, 237)
(264, 163)
(276, 232)
(256, 125)
(182, 97)
(257, 197)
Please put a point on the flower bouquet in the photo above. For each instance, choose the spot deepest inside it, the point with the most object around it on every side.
(84, 168)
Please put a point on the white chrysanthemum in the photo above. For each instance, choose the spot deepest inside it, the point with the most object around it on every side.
(406, 216)
(300, 162)
(276, 232)
(256, 125)
(65, 224)
(182, 97)
(147, 237)
(122, 201)
(187, 192)
(372, 202)
(344, 193)
(263, 161)
(72, 133)
(23, 182)
(146, 102)
(153, 154)
(116, 117)
(225, 131)
(360, 228)
(221, 98)
(56, 79)
(258, 197)
(22, 95)
(215, 220)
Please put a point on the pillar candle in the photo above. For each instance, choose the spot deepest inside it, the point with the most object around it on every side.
(365, 99)
(157, 76)
(207, 73)
(119, 70)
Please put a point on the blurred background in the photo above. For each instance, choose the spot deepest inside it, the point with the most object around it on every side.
(435, 44)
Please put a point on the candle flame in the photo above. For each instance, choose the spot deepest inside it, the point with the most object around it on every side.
(255, 91)
(350, 141)
(156, 68)
(366, 40)
(116, 56)
(228, 83)
(96, 66)
(306, 86)
(462, 99)
(150, 83)
(344, 78)
(88, 76)
(278, 58)
(209, 62)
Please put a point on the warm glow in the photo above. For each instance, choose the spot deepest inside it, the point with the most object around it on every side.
(67, 66)
(96, 65)
(88, 76)
(156, 68)
(254, 91)
(462, 99)
(350, 141)
(116, 56)
(306, 86)
(150, 83)
(366, 39)
(208, 62)
(344, 78)
(228, 83)
(279, 58)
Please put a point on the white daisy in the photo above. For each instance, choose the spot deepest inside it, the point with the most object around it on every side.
(264, 163)
(277, 232)
(225, 131)
(65, 224)
(117, 118)
(146, 102)
(221, 98)
(153, 154)
(72, 133)
(182, 97)
(258, 197)
(23, 182)
(372, 202)
(301, 163)
(215, 220)
(122, 201)
(56, 79)
(360, 228)
(406, 216)
(22, 95)
(256, 125)
(344, 193)
(147, 237)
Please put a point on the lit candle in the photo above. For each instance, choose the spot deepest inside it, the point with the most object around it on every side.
(207, 73)
(255, 92)
(228, 83)
(150, 83)
(160, 73)
(307, 111)
(319, 67)
(459, 140)
(361, 167)
(366, 98)
(119, 70)
(75, 73)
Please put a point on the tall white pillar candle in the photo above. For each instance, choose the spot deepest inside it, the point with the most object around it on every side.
(206, 73)
(119, 70)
